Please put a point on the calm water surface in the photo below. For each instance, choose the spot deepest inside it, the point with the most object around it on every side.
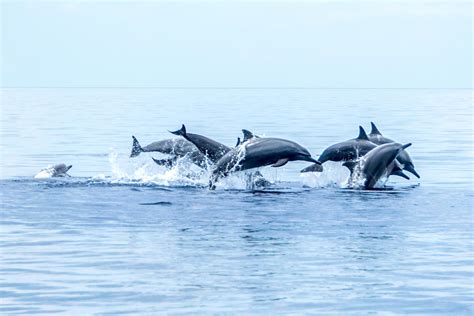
(124, 236)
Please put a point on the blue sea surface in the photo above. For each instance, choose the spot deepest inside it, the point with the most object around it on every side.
(125, 236)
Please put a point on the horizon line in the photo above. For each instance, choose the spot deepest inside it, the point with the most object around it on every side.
(236, 88)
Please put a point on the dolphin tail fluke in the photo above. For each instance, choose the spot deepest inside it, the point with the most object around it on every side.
(362, 134)
(136, 148)
(313, 168)
(180, 132)
(374, 130)
(410, 168)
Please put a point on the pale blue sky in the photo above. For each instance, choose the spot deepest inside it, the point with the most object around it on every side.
(341, 44)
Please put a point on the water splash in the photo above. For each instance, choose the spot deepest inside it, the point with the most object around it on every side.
(333, 176)
(357, 179)
(144, 170)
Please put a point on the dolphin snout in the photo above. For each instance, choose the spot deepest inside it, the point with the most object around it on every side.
(311, 159)
(410, 168)
(68, 167)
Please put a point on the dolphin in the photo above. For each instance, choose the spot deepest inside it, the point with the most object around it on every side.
(376, 163)
(209, 147)
(173, 146)
(59, 170)
(259, 152)
(348, 150)
(177, 147)
(404, 158)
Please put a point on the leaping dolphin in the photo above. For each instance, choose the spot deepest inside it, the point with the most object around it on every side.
(376, 163)
(404, 158)
(59, 170)
(209, 147)
(259, 152)
(176, 147)
(348, 150)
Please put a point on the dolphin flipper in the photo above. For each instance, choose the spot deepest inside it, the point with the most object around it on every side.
(280, 162)
(136, 148)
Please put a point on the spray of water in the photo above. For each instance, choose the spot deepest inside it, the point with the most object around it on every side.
(144, 170)
(333, 176)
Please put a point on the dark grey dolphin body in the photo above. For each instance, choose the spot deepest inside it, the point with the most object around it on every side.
(404, 158)
(209, 147)
(176, 147)
(259, 152)
(376, 163)
(348, 150)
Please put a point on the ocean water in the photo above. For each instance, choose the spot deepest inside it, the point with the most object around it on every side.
(125, 236)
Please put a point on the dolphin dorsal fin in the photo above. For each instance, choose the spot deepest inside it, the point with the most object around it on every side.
(405, 146)
(362, 134)
(238, 142)
(402, 147)
(247, 135)
(374, 130)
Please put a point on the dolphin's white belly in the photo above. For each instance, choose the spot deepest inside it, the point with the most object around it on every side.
(45, 173)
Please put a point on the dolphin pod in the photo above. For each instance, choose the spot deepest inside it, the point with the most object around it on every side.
(403, 157)
(353, 149)
(368, 156)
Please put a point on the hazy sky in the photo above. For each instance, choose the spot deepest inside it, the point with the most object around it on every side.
(337, 44)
